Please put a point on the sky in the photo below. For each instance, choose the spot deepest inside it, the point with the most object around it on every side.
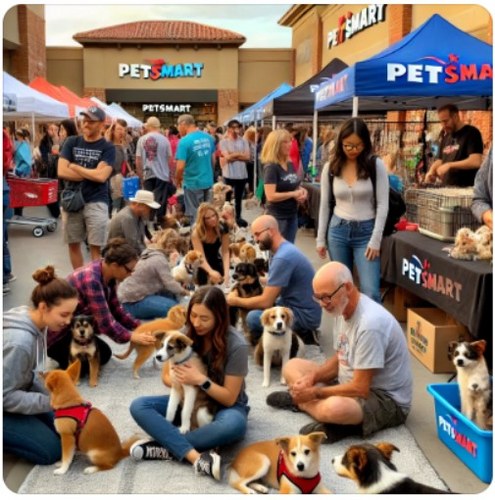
(257, 22)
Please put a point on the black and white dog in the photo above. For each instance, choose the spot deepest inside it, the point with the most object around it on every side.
(371, 468)
(278, 343)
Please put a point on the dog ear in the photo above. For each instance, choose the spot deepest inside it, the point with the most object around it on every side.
(357, 457)
(451, 349)
(479, 346)
(74, 370)
(264, 317)
(283, 442)
(387, 449)
(317, 437)
(290, 316)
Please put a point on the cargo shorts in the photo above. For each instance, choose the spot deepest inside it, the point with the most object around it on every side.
(90, 223)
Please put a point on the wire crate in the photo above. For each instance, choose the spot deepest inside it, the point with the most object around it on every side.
(440, 212)
(32, 192)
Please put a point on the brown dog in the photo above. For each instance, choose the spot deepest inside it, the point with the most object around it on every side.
(176, 319)
(80, 426)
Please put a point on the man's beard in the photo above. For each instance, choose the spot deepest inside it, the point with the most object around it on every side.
(339, 309)
(266, 244)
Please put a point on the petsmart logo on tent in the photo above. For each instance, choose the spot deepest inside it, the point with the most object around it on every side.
(450, 72)
(420, 273)
(159, 69)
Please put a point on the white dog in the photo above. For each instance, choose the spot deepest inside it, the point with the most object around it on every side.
(185, 271)
(278, 342)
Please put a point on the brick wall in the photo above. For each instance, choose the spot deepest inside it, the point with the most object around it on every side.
(400, 22)
(228, 104)
(29, 60)
(96, 92)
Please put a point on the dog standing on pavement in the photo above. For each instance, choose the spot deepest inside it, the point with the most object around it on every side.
(475, 385)
(278, 343)
(370, 466)
(81, 426)
(185, 271)
(176, 319)
(290, 464)
(84, 347)
(197, 407)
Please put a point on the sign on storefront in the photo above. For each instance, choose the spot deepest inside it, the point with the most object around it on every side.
(167, 108)
(158, 69)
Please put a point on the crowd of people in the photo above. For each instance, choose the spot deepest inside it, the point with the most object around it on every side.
(364, 387)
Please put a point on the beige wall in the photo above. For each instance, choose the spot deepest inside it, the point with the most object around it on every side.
(303, 42)
(263, 70)
(65, 66)
(101, 68)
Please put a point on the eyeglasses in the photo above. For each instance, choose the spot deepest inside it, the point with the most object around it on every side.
(129, 270)
(350, 147)
(326, 298)
(259, 233)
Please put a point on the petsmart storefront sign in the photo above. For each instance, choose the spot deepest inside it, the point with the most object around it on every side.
(157, 69)
(420, 272)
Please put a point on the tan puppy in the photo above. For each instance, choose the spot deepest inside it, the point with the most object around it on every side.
(290, 464)
(247, 253)
(176, 319)
(185, 271)
(484, 243)
(80, 426)
(464, 245)
(197, 407)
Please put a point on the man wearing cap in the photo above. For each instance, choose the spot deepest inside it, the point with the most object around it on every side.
(195, 164)
(153, 154)
(87, 159)
(234, 153)
(130, 222)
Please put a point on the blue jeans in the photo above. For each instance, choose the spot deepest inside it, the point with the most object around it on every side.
(32, 437)
(288, 228)
(193, 199)
(229, 425)
(347, 243)
(151, 307)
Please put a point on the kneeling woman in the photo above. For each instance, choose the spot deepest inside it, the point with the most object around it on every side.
(96, 284)
(225, 353)
(28, 428)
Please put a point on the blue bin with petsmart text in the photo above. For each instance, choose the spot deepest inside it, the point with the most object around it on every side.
(471, 444)
(130, 186)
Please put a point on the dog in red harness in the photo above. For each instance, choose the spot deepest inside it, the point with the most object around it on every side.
(82, 427)
(289, 464)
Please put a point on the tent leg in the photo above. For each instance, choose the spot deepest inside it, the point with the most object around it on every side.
(315, 135)
(355, 106)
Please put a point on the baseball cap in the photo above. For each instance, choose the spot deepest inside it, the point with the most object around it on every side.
(152, 122)
(94, 113)
(233, 123)
(146, 198)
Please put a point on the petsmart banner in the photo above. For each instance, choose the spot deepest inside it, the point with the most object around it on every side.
(437, 59)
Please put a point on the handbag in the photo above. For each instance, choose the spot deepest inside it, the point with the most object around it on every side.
(71, 198)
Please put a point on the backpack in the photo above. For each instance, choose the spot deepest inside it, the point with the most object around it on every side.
(396, 204)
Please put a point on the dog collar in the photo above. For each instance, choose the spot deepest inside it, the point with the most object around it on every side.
(277, 333)
(79, 413)
(182, 361)
(305, 484)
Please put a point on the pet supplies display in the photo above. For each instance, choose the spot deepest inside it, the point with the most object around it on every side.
(472, 445)
(440, 212)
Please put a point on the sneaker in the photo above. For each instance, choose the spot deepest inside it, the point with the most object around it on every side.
(144, 449)
(6, 289)
(334, 432)
(10, 277)
(208, 464)
(281, 400)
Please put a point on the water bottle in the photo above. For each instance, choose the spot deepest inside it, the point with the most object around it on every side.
(312, 171)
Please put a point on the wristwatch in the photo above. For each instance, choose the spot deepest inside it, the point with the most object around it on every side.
(205, 385)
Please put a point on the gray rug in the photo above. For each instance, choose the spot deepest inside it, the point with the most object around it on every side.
(118, 388)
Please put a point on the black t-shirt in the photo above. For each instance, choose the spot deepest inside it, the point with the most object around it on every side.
(458, 146)
(284, 182)
(89, 155)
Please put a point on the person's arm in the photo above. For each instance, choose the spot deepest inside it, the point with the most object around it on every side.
(273, 196)
(197, 245)
(99, 174)
(382, 193)
(358, 387)
(472, 161)
(169, 284)
(63, 171)
(263, 301)
(482, 206)
(179, 172)
(225, 258)
(431, 175)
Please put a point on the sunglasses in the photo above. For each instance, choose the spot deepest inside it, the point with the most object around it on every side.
(259, 233)
(326, 298)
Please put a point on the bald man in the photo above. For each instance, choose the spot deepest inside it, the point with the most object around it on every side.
(289, 284)
(367, 384)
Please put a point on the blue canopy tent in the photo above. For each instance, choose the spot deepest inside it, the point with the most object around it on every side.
(435, 64)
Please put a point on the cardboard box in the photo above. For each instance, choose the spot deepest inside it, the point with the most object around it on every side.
(429, 331)
(397, 301)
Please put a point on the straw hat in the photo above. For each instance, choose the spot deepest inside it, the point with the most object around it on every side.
(146, 198)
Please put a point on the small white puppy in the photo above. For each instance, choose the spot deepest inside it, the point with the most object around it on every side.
(278, 342)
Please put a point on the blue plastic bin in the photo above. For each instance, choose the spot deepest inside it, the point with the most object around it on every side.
(472, 445)
(130, 185)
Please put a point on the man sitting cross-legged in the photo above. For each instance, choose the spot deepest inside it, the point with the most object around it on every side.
(367, 384)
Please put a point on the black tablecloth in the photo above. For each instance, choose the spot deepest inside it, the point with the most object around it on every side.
(460, 288)
(313, 201)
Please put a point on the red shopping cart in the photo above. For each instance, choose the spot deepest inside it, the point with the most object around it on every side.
(33, 193)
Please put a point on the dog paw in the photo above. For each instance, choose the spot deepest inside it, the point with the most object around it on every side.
(183, 429)
(265, 384)
(282, 381)
(91, 469)
(60, 471)
(93, 384)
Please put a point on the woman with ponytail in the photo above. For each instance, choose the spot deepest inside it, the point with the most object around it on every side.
(28, 430)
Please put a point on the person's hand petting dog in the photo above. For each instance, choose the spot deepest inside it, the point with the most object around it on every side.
(143, 338)
(188, 374)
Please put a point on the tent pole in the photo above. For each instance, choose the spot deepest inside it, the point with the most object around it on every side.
(355, 106)
(255, 173)
(315, 135)
(274, 122)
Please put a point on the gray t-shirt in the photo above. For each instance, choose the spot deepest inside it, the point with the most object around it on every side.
(235, 169)
(155, 152)
(373, 339)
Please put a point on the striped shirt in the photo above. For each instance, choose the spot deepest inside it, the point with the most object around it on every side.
(235, 169)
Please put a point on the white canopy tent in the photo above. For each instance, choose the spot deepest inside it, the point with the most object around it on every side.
(131, 121)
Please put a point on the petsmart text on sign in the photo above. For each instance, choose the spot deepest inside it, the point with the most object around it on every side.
(157, 71)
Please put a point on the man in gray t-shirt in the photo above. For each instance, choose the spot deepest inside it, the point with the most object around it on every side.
(367, 384)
